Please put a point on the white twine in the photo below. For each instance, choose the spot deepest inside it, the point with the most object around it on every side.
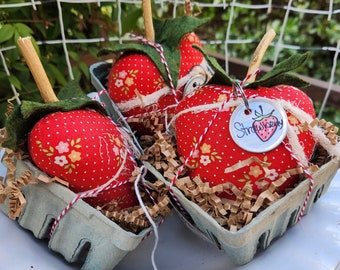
(153, 224)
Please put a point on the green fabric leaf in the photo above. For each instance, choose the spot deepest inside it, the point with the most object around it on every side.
(278, 75)
(71, 90)
(274, 76)
(24, 116)
(285, 78)
(220, 76)
(168, 33)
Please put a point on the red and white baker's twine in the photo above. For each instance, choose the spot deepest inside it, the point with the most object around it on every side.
(250, 75)
(91, 193)
(309, 176)
(97, 97)
(158, 47)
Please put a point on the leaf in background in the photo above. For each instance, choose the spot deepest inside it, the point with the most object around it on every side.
(14, 80)
(74, 55)
(19, 66)
(130, 19)
(93, 51)
(85, 69)
(23, 30)
(57, 75)
(337, 117)
(6, 32)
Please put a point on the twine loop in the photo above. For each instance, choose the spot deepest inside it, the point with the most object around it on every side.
(96, 97)
(92, 193)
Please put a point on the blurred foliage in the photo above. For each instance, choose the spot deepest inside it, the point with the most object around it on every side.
(90, 21)
(307, 31)
(329, 113)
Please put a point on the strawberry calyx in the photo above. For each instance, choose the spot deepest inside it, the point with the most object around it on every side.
(280, 74)
(175, 28)
(23, 117)
(260, 115)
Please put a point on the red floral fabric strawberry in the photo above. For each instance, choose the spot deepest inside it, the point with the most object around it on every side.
(136, 85)
(189, 55)
(86, 149)
(218, 159)
(149, 77)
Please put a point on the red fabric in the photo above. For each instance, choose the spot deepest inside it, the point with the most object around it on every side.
(134, 75)
(218, 150)
(84, 148)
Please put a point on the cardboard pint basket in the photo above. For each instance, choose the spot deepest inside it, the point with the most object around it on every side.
(272, 222)
(84, 235)
(97, 236)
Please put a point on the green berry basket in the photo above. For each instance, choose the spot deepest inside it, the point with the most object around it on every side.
(81, 233)
(84, 235)
(242, 245)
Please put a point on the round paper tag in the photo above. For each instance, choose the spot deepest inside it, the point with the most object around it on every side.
(259, 128)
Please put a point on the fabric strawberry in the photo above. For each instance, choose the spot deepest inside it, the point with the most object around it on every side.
(139, 82)
(218, 158)
(136, 84)
(69, 136)
(86, 149)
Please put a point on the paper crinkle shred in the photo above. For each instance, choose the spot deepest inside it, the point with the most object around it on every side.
(11, 189)
(160, 152)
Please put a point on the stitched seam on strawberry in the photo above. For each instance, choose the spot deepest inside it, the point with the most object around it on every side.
(143, 100)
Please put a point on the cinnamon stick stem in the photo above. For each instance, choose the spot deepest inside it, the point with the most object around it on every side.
(187, 8)
(37, 70)
(148, 24)
(256, 60)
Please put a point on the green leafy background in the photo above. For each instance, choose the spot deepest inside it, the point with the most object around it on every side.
(90, 20)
